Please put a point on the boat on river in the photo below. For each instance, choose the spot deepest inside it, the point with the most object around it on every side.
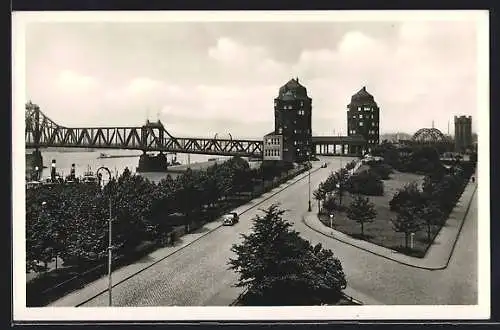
(104, 155)
(89, 177)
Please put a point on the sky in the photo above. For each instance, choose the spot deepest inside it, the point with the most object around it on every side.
(207, 78)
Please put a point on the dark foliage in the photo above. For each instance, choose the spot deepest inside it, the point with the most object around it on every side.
(278, 267)
(366, 183)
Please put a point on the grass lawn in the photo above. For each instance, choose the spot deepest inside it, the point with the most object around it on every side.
(380, 231)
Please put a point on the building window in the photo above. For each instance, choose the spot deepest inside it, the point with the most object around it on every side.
(280, 130)
(301, 103)
(359, 108)
(354, 117)
(360, 123)
(360, 116)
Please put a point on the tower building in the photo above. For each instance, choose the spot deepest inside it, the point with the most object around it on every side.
(463, 133)
(292, 121)
(363, 119)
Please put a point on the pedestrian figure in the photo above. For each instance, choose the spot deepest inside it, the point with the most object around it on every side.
(473, 179)
(172, 237)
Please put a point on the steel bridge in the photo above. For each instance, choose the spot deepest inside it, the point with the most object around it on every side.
(42, 132)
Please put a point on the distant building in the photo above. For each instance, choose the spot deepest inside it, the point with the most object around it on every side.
(463, 133)
(292, 120)
(273, 147)
(394, 137)
(363, 119)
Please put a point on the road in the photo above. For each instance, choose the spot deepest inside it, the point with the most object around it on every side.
(198, 275)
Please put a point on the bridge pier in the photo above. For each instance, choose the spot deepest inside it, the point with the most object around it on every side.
(34, 161)
(152, 163)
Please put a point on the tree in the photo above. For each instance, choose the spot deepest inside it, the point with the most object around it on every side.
(319, 195)
(431, 215)
(361, 211)
(382, 170)
(278, 267)
(366, 183)
(408, 194)
(342, 177)
(329, 205)
(349, 166)
(407, 222)
(330, 183)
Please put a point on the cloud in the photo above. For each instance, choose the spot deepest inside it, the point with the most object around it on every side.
(73, 82)
(418, 72)
(230, 52)
(423, 72)
(143, 85)
(252, 63)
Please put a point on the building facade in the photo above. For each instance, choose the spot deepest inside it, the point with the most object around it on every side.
(273, 147)
(363, 118)
(463, 133)
(292, 121)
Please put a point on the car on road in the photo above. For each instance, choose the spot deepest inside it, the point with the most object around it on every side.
(230, 219)
(324, 165)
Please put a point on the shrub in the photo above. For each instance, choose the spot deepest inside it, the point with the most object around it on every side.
(409, 194)
(382, 170)
(366, 183)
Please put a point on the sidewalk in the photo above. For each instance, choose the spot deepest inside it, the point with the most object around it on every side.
(438, 254)
(100, 286)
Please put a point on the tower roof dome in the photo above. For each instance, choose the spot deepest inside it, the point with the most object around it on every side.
(362, 97)
(292, 90)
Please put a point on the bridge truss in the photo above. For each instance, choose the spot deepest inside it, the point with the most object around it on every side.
(42, 132)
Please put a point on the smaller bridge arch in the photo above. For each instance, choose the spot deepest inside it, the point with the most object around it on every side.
(429, 135)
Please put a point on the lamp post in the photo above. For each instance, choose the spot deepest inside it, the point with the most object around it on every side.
(36, 173)
(340, 153)
(331, 220)
(110, 246)
(309, 179)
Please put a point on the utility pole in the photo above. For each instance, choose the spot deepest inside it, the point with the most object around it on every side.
(110, 243)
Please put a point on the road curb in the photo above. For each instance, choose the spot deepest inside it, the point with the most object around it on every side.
(302, 177)
(398, 261)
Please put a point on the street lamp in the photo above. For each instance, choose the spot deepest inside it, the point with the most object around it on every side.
(341, 153)
(36, 173)
(110, 246)
(331, 220)
(309, 179)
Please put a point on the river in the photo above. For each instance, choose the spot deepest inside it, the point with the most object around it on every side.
(85, 160)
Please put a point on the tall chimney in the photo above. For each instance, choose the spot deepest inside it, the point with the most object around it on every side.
(53, 171)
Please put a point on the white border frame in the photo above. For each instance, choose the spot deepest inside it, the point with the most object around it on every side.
(316, 313)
